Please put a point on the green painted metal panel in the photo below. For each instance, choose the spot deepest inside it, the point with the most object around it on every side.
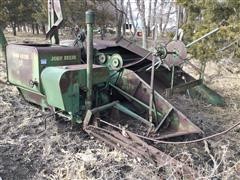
(25, 62)
(62, 85)
(23, 66)
(51, 77)
(209, 95)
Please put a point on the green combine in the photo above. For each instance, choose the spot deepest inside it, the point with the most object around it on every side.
(102, 88)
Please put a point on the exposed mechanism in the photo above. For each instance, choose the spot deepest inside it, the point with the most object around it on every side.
(169, 75)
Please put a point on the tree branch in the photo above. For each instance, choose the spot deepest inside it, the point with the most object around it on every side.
(115, 6)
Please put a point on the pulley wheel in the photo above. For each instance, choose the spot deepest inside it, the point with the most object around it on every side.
(177, 53)
(116, 62)
(102, 59)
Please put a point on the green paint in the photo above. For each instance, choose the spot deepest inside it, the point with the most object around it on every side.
(62, 87)
(209, 95)
(90, 18)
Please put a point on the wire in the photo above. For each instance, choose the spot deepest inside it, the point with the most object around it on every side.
(173, 142)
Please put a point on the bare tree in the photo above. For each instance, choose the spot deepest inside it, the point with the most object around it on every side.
(182, 15)
(119, 18)
(149, 17)
(141, 10)
(132, 19)
(162, 11)
(167, 18)
(161, 16)
(125, 17)
(119, 15)
(104, 16)
(154, 17)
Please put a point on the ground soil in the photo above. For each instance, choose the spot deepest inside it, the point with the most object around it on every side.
(63, 151)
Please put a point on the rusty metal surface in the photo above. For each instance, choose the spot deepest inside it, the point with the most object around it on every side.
(57, 50)
(20, 66)
(183, 87)
(134, 48)
(136, 147)
(97, 43)
(33, 97)
(103, 44)
(174, 124)
(178, 53)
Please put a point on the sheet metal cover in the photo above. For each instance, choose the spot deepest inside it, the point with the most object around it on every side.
(180, 53)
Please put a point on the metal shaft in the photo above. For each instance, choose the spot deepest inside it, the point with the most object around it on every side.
(90, 16)
(206, 35)
(134, 99)
(151, 97)
(152, 90)
(132, 114)
(172, 79)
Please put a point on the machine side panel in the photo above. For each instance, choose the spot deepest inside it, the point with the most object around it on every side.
(50, 78)
(58, 56)
(23, 66)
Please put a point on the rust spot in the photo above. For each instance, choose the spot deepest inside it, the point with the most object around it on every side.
(32, 97)
(67, 79)
(64, 83)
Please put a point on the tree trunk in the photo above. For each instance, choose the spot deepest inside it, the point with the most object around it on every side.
(37, 28)
(123, 20)
(203, 67)
(24, 28)
(154, 18)
(131, 19)
(149, 17)
(161, 17)
(85, 5)
(33, 29)
(102, 32)
(182, 16)
(144, 37)
(28, 28)
(167, 20)
(14, 28)
(177, 20)
(124, 27)
(44, 28)
(119, 18)
(141, 10)
(119, 30)
(18, 28)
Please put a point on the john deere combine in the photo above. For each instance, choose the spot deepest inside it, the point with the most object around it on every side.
(100, 90)
(53, 77)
